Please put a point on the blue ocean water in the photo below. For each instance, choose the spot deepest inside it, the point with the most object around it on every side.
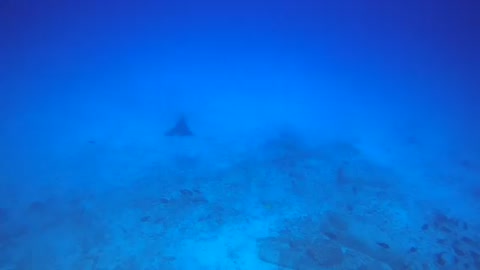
(324, 135)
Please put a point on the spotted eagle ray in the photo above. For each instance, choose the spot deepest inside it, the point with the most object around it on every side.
(180, 129)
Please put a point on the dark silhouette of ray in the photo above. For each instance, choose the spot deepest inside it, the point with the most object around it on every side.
(180, 129)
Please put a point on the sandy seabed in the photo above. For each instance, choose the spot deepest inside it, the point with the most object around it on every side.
(278, 204)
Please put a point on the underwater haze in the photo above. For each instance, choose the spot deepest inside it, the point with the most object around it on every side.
(264, 135)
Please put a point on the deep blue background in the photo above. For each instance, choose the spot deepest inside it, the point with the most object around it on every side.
(431, 39)
(74, 61)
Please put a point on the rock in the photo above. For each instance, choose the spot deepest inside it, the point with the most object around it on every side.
(277, 251)
(299, 255)
(325, 253)
(374, 265)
